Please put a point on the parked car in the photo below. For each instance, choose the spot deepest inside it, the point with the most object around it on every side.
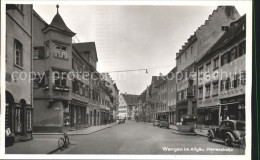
(120, 121)
(164, 123)
(156, 123)
(232, 132)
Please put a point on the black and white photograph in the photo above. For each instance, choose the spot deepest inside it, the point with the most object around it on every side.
(120, 79)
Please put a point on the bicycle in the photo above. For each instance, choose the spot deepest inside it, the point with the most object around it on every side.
(64, 141)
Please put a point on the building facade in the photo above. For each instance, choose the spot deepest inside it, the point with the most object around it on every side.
(196, 46)
(221, 86)
(19, 91)
(171, 96)
(127, 106)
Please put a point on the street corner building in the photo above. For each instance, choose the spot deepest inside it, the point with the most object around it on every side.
(127, 108)
(18, 60)
(69, 93)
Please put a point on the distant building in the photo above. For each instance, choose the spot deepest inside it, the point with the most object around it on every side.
(154, 98)
(221, 80)
(18, 60)
(171, 96)
(162, 107)
(127, 106)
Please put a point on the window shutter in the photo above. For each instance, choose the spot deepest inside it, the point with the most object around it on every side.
(222, 60)
(228, 56)
(221, 85)
(227, 83)
(41, 52)
(235, 81)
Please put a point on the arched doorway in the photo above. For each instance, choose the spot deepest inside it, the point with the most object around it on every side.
(98, 118)
(9, 100)
(95, 117)
(90, 118)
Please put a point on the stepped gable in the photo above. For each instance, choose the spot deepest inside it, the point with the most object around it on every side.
(193, 37)
(235, 31)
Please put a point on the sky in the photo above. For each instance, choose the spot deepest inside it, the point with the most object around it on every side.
(132, 37)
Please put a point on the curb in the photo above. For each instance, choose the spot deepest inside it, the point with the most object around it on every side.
(56, 149)
(181, 133)
(73, 133)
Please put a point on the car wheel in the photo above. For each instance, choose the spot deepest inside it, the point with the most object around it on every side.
(160, 126)
(210, 137)
(228, 140)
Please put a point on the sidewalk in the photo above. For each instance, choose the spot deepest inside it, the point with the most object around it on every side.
(44, 143)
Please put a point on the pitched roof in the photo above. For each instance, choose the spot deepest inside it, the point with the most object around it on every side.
(157, 79)
(57, 22)
(130, 99)
(234, 32)
(87, 47)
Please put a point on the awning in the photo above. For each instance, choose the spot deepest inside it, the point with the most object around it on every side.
(231, 103)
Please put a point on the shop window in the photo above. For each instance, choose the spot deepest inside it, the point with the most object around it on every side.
(242, 48)
(207, 91)
(18, 48)
(216, 63)
(61, 51)
(18, 120)
(29, 119)
(215, 88)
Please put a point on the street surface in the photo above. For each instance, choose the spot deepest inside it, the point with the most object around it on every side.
(142, 138)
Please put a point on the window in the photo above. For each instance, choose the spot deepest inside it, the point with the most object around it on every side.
(232, 82)
(180, 59)
(35, 52)
(38, 52)
(216, 63)
(200, 93)
(185, 55)
(60, 78)
(233, 53)
(185, 94)
(208, 67)
(61, 52)
(224, 59)
(179, 95)
(18, 49)
(215, 88)
(207, 91)
(225, 84)
(18, 123)
(242, 48)
(29, 119)
(191, 50)
(47, 48)
(201, 71)
(243, 78)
